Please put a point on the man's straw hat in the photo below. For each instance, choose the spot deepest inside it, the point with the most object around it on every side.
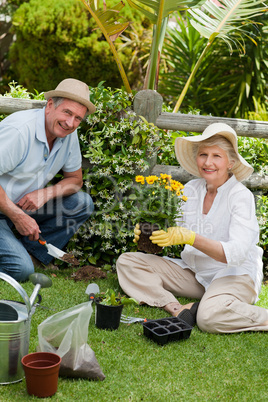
(186, 158)
(75, 90)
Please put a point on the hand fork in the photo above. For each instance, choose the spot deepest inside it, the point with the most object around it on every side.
(131, 320)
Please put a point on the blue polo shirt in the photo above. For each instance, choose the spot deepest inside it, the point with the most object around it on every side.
(26, 164)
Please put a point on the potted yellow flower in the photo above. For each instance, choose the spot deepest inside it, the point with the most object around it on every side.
(158, 202)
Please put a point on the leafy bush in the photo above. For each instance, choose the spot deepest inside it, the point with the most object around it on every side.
(57, 40)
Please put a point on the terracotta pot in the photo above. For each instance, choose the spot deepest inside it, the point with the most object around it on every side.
(107, 317)
(41, 373)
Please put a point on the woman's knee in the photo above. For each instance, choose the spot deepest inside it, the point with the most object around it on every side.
(208, 317)
(123, 261)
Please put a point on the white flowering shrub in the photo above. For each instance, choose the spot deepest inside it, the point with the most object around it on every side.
(118, 145)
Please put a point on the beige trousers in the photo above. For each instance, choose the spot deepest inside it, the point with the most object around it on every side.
(225, 307)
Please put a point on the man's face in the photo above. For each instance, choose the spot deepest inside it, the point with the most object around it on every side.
(63, 120)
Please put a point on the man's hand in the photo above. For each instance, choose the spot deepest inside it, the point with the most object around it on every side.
(27, 226)
(33, 201)
(174, 236)
(137, 233)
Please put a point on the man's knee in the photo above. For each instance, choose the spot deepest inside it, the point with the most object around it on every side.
(79, 203)
(20, 269)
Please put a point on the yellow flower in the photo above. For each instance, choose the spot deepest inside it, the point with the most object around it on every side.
(139, 179)
(168, 188)
(163, 176)
(151, 179)
(175, 185)
(178, 192)
(184, 198)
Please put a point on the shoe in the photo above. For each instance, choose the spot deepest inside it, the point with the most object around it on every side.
(189, 315)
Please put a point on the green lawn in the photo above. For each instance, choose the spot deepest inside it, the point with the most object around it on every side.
(205, 367)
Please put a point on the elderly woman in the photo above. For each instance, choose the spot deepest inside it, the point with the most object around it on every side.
(221, 263)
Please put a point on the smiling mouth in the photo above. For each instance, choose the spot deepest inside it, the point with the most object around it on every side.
(209, 170)
(64, 128)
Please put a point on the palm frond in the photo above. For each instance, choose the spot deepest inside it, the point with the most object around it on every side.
(107, 21)
(216, 20)
(165, 7)
(220, 20)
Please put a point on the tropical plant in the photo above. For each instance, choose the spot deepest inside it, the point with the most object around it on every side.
(260, 111)
(182, 49)
(158, 11)
(220, 19)
(225, 84)
(110, 27)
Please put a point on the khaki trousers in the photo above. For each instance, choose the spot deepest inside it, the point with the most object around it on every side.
(225, 307)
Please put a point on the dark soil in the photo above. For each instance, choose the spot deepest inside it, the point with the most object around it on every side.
(144, 243)
(70, 259)
(88, 272)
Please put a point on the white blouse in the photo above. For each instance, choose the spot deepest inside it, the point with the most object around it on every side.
(230, 220)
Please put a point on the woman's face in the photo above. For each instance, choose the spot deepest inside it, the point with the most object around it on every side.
(213, 165)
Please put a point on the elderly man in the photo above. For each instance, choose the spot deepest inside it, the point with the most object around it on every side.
(35, 145)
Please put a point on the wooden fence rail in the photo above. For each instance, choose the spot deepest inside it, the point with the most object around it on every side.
(148, 104)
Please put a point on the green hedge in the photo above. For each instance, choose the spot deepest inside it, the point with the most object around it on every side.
(59, 39)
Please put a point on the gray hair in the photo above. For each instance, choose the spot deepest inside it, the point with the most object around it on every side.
(222, 143)
(57, 100)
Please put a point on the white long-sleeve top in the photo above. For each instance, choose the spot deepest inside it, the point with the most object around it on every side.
(230, 220)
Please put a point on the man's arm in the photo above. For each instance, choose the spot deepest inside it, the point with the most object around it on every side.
(24, 224)
(70, 184)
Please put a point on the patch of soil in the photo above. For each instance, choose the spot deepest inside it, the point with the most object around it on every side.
(144, 243)
(88, 272)
(70, 259)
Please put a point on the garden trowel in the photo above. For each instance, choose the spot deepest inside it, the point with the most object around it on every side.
(92, 290)
(52, 250)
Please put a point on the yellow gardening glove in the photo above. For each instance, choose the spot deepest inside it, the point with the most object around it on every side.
(173, 236)
(137, 233)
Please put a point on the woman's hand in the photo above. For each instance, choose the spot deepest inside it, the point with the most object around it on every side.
(174, 236)
(137, 233)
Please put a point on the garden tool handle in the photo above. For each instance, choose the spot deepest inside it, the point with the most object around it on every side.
(91, 297)
(42, 240)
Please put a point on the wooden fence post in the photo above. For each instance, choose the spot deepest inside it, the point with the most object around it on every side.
(148, 103)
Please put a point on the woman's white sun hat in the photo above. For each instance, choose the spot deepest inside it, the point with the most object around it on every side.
(186, 158)
(75, 90)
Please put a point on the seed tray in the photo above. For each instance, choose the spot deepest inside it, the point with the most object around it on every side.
(165, 330)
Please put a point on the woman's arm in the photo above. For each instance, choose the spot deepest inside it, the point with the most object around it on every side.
(212, 248)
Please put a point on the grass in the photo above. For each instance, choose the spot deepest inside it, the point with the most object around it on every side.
(206, 367)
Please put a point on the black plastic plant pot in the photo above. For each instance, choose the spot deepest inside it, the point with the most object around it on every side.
(107, 317)
(165, 330)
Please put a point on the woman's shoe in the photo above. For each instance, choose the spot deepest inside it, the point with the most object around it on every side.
(189, 315)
